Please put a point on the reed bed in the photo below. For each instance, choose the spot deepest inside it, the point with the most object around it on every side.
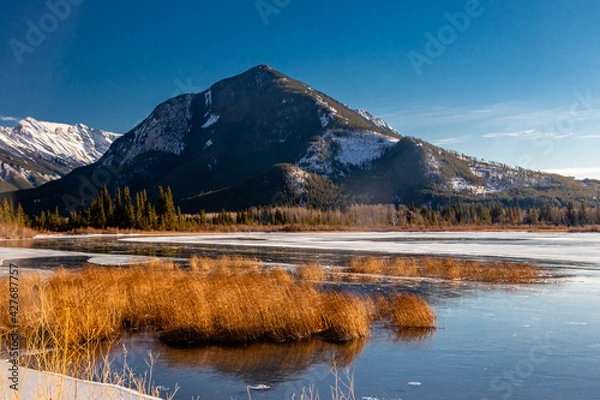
(451, 269)
(311, 271)
(234, 301)
(224, 264)
(406, 311)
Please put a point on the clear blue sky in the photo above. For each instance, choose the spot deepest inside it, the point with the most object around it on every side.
(518, 83)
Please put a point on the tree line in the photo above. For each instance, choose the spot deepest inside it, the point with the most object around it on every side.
(125, 210)
(122, 211)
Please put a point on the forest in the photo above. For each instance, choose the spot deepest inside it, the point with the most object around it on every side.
(127, 211)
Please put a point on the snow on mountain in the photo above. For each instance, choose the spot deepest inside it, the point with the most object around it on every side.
(71, 145)
(336, 151)
(10, 172)
(35, 152)
(484, 177)
(164, 130)
(326, 112)
(211, 120)
(377, 121)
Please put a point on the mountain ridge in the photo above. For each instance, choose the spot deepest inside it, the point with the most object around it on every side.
(262, 138)
(35, 152)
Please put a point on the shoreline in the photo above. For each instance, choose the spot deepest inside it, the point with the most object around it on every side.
(34, 384)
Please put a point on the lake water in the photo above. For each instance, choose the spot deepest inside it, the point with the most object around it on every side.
(493, 342)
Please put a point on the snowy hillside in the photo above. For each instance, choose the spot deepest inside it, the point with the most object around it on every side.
(337, 151)
(481, 177)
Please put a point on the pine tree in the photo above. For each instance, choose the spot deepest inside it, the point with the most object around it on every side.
(571, 216)
(97, 213)
(129, 214)
(582, 215)
(119, 213)
(108, 206)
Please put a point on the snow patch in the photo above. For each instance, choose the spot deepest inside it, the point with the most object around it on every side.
(211, 121)
(377, 121)
(326, 112)
(461, 184)
(208, 98)
(338, 150)
(164, 130)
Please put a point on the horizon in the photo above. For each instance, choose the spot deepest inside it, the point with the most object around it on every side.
(499, 82)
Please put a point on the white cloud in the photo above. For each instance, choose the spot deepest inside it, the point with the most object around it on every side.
(450, 140)
(528, 134)
(579, 173)
(7, 118)
(589, 137)
(510, 117)
(442, 115)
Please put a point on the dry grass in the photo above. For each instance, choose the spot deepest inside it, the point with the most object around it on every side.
(233, 300)
(224, 264)
(368, 265)
(14, 231)
(311, 271)
(76, 315)
(451, 269)
(98, 303)
(406, 311)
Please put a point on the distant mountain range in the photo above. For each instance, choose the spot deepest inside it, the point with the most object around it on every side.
(34, 152)
(264, 138)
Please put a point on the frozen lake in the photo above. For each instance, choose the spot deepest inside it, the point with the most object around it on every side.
(500, 342)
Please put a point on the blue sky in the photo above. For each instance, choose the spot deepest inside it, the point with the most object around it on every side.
(516, 83)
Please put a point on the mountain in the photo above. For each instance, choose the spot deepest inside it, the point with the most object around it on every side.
(34, 152)
(264, 138)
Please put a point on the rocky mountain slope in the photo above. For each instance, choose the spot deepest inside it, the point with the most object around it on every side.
(264, 138)
(34, 152)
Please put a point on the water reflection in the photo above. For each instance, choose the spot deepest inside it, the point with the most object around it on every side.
(413, 337)
(267, 363)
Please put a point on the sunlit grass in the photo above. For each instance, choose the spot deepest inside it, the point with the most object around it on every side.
(451, 269)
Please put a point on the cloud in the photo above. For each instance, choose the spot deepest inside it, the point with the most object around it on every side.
(450, 140)
(509, 117)
(528, 134)
(589, 137)
(577, 172)
(7, 118)
(442, 115)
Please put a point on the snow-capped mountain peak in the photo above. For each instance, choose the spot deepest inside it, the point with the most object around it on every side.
(377, 121)
(75, 145)
(35, 152)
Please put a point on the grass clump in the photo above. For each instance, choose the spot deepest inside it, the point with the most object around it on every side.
(95, 304)
(451, 269)
(224, 264)
(406, 311)
(311, 271)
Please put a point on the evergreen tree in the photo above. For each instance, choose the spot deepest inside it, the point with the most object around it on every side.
(129, 214)
(582, 215)
(571, 216)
